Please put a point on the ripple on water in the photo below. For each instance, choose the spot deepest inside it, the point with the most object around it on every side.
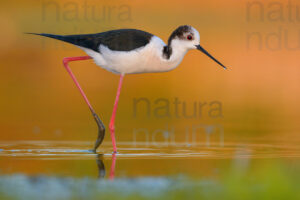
(126, 149)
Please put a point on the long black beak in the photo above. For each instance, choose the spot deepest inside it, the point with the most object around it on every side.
(206, 53)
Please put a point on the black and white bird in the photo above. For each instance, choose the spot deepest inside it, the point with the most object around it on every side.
(130, 51)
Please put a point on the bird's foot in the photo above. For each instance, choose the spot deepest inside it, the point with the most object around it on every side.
(92, 151)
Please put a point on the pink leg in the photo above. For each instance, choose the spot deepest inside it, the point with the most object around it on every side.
(112, 119)
(101, 128)
(66, 61)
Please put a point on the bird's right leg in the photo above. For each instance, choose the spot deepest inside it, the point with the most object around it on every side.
(113, 116)
(101, 128)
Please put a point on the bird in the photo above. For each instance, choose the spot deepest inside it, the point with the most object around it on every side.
(129, 51)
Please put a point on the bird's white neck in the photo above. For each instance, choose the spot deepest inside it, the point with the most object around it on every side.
(173, 53)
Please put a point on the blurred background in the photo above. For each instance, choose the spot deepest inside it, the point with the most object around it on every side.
(224, 127)
(257, 96)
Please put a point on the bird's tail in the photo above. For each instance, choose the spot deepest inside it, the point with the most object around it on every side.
(58, 37)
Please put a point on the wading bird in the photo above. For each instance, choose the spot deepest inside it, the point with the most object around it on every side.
(130, 51)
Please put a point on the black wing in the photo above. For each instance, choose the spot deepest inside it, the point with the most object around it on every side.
(119, 40)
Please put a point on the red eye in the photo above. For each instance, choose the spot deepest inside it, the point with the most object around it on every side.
(189, 37)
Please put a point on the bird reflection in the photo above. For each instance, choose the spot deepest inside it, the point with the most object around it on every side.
(101, 166)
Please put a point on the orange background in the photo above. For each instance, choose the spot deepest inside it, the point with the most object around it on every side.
(259, 93)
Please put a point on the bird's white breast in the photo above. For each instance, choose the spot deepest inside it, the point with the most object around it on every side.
(145, 59)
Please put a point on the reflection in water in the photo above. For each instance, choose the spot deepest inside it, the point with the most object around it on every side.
(113, 166)
(101, 166)
(156, 179)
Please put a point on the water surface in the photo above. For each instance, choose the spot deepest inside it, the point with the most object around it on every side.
(31, 168)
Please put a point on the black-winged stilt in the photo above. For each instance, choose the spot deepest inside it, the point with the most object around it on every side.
(130, 51)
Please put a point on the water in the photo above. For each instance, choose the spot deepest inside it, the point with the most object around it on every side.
(70, 170)
(255, 148)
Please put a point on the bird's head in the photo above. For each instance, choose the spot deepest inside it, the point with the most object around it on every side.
(186, 38)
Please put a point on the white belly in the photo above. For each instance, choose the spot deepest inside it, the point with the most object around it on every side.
(142, 60)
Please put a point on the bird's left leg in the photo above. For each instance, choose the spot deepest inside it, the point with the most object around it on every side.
(101, 128)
